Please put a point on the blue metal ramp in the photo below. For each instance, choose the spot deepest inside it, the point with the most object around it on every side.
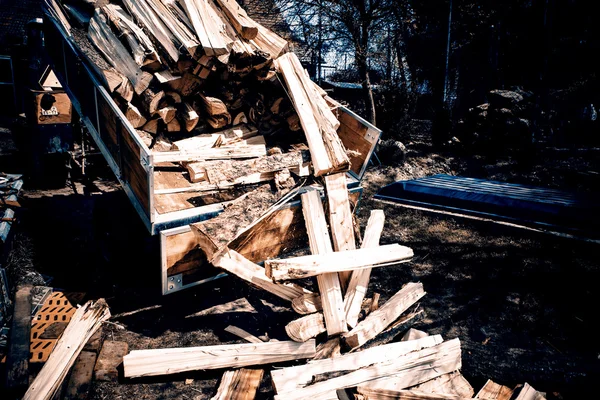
(523, 205)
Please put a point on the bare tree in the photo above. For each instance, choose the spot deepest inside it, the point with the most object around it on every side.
(352, 22)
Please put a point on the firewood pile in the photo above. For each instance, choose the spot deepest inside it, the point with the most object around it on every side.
(218, 94)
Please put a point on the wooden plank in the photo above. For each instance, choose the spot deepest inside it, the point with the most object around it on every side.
(322, 164)
(111, 356)
(154, 362)
(202, 17)
(359, 280)
(359, 139)
(494, 391)
(287, 380)
(453, 384)
(239, 332)
(269, 42)
(86, 320)
(238, 18)
(320, 244)
(340, 218)
(529, 393)
(235, 264)
(133, 171)
(413, 334)
(305, 328)
(80, 381)
(17, 360)
(240, 384)
(378, 320)
(316, 264)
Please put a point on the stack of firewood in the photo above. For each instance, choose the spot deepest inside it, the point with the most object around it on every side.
(201, 80)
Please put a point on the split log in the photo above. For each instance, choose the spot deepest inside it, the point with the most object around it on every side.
(320, 244)
(529, 393)
(359, 280)
(125, 89)
(313, 265)
(134, 116)
(213, 106)
(86, 320)
(240, 384)
(174, 126)
(154, 27)
(135, 48)
(227, 173)
(151, 98)
(329, 349)
(288, 380)
(453, 384)
(250, 148)
(186, 85)
(215, 234)
(189, 116)
(238, 265)
(17, 360)
(238, 18)
(140, 363)
(152, 126)
(116, 54)
(493, 391)
(305, 328)
(203, 19)
(150, 55)
(340, 218)
(270, 42)
(166, 113)
(327, 151)
(378, 320)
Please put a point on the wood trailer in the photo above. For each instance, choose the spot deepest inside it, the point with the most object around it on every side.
(169, 214)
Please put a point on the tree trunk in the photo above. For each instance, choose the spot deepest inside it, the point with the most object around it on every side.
(362, 49)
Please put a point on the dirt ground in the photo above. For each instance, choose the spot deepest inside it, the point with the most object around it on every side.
(523, 304)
